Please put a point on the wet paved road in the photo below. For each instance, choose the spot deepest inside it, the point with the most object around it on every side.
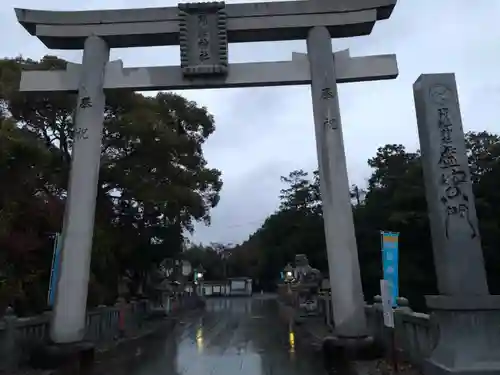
(233, 336)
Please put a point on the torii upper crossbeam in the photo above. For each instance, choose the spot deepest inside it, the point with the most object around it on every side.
(253, 22)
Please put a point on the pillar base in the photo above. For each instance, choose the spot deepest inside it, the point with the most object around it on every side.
(72, 357)
(338, 349)
(469, 335)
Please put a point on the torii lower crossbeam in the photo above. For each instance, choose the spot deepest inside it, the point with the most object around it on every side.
(263, 74)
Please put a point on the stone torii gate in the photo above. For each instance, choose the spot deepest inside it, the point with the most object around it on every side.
(203, 31)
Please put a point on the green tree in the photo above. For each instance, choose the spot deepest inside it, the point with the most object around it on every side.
(296, 228)
(302, 192)
(154, 182)
(394, 200)
(29, 214)
(209, 258)
(484, 161)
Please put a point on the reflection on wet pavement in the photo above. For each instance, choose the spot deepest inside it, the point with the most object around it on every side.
(233, 336)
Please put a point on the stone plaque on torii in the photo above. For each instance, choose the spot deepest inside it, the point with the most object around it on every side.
(203, 31)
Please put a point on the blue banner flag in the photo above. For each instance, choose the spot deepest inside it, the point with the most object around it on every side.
(54, 272)
(390, 263)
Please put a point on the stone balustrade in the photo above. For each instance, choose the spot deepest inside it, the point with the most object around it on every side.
(415, 336)
(105, 325)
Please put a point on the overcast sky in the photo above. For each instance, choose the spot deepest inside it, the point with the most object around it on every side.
(265, 133)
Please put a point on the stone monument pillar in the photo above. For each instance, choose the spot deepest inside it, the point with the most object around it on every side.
(468, 317)
(68, 324)
(345, 278)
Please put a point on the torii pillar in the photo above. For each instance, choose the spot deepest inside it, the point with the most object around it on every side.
(343, 264)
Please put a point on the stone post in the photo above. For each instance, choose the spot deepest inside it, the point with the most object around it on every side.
(122, 306)
(9, 348)
(344, 274)
(466, 314)
(403, 305)
(376, 319)
(68, 324)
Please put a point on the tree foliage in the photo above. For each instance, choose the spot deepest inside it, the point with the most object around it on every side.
(154, 183)
(394, 200)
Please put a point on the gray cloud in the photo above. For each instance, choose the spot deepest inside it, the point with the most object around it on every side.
(265, 133)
